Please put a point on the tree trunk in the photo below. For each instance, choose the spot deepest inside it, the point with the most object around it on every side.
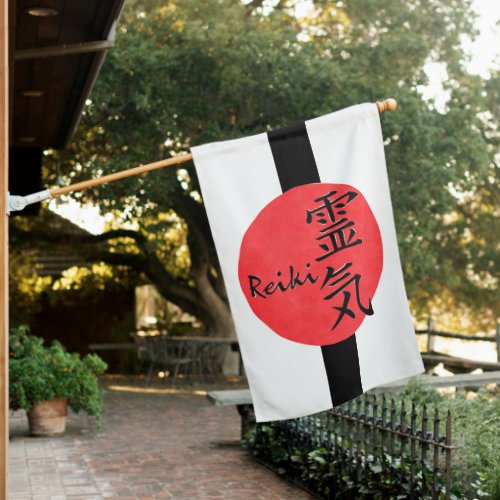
(221, 322)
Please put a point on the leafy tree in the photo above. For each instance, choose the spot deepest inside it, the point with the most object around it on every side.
(186, 72)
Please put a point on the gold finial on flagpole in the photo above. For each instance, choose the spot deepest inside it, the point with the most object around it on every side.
(387, 105)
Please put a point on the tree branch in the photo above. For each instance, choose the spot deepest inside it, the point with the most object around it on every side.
(118, 233)
(184, 296)
(135, 261)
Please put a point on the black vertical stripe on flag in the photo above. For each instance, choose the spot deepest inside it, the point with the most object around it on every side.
(293, 156)
(295, 165)
(342, 370)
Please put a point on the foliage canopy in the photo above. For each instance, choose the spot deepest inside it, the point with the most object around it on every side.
(187, 72)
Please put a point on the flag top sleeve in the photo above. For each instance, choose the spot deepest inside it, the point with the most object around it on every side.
(304, 230)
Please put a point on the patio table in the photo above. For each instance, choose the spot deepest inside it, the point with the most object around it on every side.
(205, 352)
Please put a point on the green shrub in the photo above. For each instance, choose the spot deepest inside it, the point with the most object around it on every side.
(475, 434)
(38, 373)
(325, 471)
(332, 473)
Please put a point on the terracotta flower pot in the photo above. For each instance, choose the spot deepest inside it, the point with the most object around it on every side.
(48, 417)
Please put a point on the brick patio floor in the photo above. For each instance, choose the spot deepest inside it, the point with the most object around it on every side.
(150, 445)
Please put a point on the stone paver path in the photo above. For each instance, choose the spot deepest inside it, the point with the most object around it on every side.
(150, 445)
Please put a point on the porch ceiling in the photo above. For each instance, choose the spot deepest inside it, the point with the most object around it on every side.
(55, 56)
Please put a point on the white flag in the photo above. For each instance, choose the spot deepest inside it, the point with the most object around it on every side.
(303, 225)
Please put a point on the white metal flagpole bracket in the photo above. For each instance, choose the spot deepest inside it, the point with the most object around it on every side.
(16, 203)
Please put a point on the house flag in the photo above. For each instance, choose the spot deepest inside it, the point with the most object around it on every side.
(304, 229)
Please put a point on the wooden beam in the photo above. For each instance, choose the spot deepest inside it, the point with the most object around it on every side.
(4, 248)
(498, 341)
(63, 50)
(433, 359)
(461, 336)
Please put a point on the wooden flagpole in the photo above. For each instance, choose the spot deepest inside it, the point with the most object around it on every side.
(121, 175)
(387, 105)
(4, 249)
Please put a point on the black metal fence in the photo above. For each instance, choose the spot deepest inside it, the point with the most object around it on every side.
(371, 442)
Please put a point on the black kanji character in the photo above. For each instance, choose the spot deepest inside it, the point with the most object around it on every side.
(339, 280)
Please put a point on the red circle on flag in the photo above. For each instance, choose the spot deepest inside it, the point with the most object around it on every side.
(310, 263)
